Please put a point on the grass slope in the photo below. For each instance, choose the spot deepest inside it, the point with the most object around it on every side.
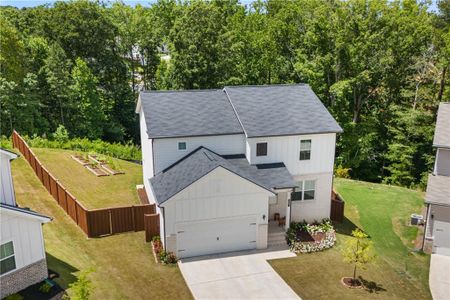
(382, 211)
(124, 265)
(93, 191)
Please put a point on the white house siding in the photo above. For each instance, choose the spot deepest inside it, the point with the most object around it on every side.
(217, 196)
(147, 152)
(319, 208)
(26, 234)
(286, 149)
(443, 162)
(166, 150)
(6, 184)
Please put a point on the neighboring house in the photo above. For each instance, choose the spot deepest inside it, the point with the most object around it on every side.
(438, 189)
(22, 253)
(222, 164)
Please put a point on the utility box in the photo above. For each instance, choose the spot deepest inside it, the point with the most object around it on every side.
(416, 219)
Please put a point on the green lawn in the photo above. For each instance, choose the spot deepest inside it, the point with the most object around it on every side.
(382, 212)
(93, 191)
(124, 265)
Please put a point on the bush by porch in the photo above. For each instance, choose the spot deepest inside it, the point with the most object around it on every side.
(305, 238)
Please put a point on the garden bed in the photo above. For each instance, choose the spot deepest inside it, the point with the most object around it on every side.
(96, 170)
(80, 159)
(105, 165)
(307, 238)
(160, 255)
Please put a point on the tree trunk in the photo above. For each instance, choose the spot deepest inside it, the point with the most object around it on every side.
(354, 276)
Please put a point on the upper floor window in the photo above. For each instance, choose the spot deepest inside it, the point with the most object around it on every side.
(7, 259)
(182, 146)
(261, 149)
(305, 190)
(305, 149)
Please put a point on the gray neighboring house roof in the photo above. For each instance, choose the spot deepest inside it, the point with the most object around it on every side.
(438, 190)
(188, 113)
(442, 131)
(202, 161)
(257, 111)
(276, 110)
(24, 210)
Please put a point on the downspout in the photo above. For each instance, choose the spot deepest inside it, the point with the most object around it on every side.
(164, 224)
(290, 208)
(153, 158)
(426, 226)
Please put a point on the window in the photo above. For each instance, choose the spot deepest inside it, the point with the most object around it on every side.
(305, 149)
(261, 149)
(305, 190)
(182, 146)
(7, 260)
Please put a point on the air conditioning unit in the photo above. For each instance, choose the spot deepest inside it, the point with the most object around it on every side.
(416, 219)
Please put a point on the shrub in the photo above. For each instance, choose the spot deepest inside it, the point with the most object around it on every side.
(5, 143)
(82, 288)
(45, 288)
(299, 246)
(61, 135)
(167, 257)
(342, 172)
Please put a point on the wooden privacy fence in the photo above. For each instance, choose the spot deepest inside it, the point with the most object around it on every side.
(151, 224)
(94, 222)
(337, 207)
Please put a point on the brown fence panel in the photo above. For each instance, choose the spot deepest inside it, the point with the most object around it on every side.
(72, 207)
(54, 187)
(33, 163)
(99, 222)
(139, 212)
(39, 172)
(61, 194)
(122, 219)
(82, 218)
(337, 208)
(45, 179)
(151, 223)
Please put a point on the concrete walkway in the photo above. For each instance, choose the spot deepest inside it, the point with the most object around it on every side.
(440, 276)
(237, 275)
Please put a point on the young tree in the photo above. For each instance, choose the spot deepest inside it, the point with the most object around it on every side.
(357, 251)
(82, 288)
(87, 97)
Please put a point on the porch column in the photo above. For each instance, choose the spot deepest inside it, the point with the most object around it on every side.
(288, 210)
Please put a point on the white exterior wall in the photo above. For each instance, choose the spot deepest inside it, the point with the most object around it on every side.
(26, 234)
(6, 183)
(220, 194)
(442, 166)
(166, 150)
(147, 152)
(286, 149)
(319, 208)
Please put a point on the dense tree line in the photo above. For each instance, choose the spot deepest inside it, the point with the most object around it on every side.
(381, 67)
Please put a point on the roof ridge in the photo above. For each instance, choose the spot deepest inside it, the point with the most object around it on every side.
(187, 156)
(179, 91)
(267, 85)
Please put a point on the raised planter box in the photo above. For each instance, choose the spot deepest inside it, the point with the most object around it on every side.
(80, 159)
(97, 171)
(104, 165)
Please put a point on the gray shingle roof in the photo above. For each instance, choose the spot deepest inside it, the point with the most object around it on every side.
(23, 210)
(274, 110)
(438, 190)
(270, 110)
(188, 113)
(201, 161)
(442, 131)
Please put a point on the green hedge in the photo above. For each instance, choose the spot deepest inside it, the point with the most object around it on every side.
(127, 151)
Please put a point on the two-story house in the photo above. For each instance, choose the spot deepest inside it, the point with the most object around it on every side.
(221, 164)
(438, 189)
(22, 252)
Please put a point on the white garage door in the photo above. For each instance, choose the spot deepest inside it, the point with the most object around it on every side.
(441, 241)
(216, 236)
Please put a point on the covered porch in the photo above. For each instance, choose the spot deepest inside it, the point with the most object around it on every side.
(279, 217)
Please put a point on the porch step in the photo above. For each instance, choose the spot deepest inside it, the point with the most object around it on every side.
(276, 238)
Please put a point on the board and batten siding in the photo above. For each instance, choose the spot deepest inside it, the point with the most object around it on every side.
(286, 149)
(218, 195)
(166, 150)
(26, 234)
(6, 183)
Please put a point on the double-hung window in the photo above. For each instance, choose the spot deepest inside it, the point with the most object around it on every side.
(7, 259)
(305, 149)
(305, 190)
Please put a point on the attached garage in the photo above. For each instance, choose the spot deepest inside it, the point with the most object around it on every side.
(441, 234)
(216, 207)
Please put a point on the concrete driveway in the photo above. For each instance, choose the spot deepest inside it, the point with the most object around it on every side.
(237, 275)
(440, 276)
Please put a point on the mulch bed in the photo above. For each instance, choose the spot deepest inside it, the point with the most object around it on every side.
(304, 236)
(96, 170)
(80, 159)
(33, 292)
(111, 171)
(348, 282)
